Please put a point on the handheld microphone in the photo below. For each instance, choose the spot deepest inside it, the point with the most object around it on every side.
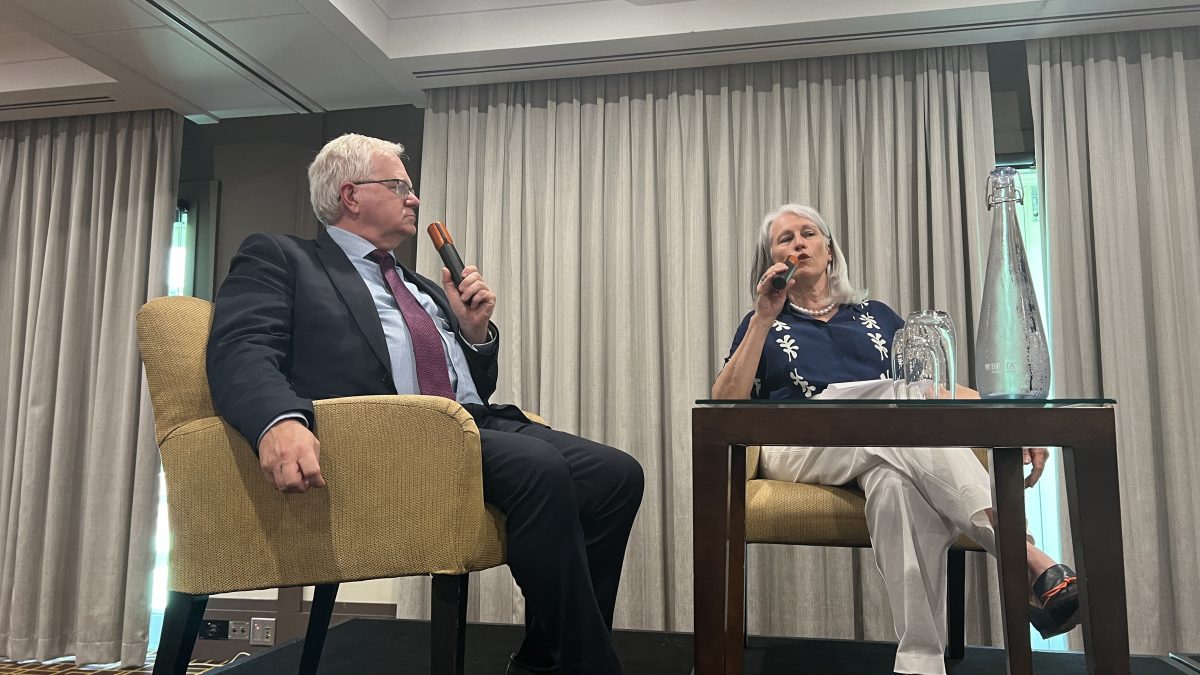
(444, 244)
(779, 281)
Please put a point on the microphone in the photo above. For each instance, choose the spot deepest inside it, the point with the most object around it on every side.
(780, 280)
(444, 244)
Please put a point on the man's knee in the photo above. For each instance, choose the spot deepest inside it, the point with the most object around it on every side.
(631, 477)
(620, 473)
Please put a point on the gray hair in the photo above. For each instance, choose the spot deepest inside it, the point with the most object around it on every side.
(841, 290)
(346, 158)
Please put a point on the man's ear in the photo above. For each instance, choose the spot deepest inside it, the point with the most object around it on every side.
(348, 199)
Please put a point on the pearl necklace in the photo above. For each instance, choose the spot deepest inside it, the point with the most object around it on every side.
(813, 312)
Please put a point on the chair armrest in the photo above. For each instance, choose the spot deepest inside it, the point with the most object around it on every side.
(404, 496)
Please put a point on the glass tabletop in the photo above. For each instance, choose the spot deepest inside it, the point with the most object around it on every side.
(916, 403)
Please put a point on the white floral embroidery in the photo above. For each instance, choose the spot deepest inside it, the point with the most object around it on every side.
(788, 345)
(868, 321)
(779, 326)
(880, 345)
(799, 381)
(863, 305)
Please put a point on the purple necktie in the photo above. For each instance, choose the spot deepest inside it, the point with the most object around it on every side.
(433, 376)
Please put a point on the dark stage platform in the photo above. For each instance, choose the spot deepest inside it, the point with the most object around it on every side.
(392, 646)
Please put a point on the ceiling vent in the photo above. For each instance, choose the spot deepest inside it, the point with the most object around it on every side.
(57, 103)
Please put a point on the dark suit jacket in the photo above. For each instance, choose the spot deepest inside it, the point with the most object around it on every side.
(294, 322)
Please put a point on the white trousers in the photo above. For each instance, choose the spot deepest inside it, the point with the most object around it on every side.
(918, 501)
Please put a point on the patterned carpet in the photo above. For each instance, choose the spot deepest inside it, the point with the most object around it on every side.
(196, 668)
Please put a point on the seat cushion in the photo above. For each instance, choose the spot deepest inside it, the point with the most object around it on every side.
(779, 512)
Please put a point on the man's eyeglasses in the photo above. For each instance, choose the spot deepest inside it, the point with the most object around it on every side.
(403, 190)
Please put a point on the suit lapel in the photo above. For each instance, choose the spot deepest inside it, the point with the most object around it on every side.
(353, 291)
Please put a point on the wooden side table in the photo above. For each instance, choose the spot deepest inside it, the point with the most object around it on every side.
(1084, 428)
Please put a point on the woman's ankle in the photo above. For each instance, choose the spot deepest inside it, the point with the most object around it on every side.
(1038, 562)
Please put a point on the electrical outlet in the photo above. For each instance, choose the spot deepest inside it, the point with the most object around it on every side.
(262, 631)
(239, 630)
(214, 629)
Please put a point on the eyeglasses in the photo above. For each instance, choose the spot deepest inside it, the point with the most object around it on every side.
(400, 188)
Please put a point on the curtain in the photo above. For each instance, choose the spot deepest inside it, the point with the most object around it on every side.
(616, 216)
(1117, 133)
(87, 206)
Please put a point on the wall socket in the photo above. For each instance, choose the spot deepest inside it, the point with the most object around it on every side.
(214, 629)
(239, 630)
(262, 631)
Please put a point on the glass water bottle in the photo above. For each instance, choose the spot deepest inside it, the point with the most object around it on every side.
(1011, 358)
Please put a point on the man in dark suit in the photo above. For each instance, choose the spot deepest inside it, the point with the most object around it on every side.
(298, 320)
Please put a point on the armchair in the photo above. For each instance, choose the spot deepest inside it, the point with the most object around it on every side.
(404, 497)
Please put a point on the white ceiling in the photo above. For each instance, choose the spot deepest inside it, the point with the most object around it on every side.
(213, 59)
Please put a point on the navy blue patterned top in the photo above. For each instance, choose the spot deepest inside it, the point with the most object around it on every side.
(802, 355)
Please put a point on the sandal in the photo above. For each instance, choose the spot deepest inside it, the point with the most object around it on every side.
(1058, 589)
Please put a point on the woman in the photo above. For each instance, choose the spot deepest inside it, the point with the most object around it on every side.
(819, 331)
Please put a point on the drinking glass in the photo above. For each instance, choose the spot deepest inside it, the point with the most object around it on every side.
(939, 328)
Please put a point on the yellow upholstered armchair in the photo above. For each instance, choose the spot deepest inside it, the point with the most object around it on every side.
(779, 512)
(404, 497)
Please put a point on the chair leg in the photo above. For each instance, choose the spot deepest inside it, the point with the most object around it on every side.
(181, 624)
(324, 596)
(449, 623)
(956, 602)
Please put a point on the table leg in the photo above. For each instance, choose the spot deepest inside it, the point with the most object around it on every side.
(735, 589)
(1008, 502)
(710, 551)
(1096, 531)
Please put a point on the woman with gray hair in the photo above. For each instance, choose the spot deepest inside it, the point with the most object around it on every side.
(816, 335)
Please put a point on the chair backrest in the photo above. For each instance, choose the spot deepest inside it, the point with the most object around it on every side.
(173, 339)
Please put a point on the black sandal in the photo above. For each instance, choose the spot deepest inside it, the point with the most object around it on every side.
(1058, 589)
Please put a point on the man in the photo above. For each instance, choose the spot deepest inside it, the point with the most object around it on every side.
(298, 320)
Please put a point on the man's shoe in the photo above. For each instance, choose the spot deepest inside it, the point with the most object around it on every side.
(1058, 589)
(519, 664)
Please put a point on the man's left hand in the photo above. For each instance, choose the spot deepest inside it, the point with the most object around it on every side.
(1037, 458)
(473, 303)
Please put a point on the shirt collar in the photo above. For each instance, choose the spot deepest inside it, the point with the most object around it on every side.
(351, 244)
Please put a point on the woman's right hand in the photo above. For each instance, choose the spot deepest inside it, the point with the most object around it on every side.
(768, 302)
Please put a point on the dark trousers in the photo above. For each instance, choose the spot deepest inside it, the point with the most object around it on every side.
(570, 504)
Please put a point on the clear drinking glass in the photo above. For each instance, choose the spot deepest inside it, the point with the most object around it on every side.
(923, 356)
(940, 330)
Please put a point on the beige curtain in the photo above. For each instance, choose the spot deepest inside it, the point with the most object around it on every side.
(1117, 126)
(86, 205)
(615, 218)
